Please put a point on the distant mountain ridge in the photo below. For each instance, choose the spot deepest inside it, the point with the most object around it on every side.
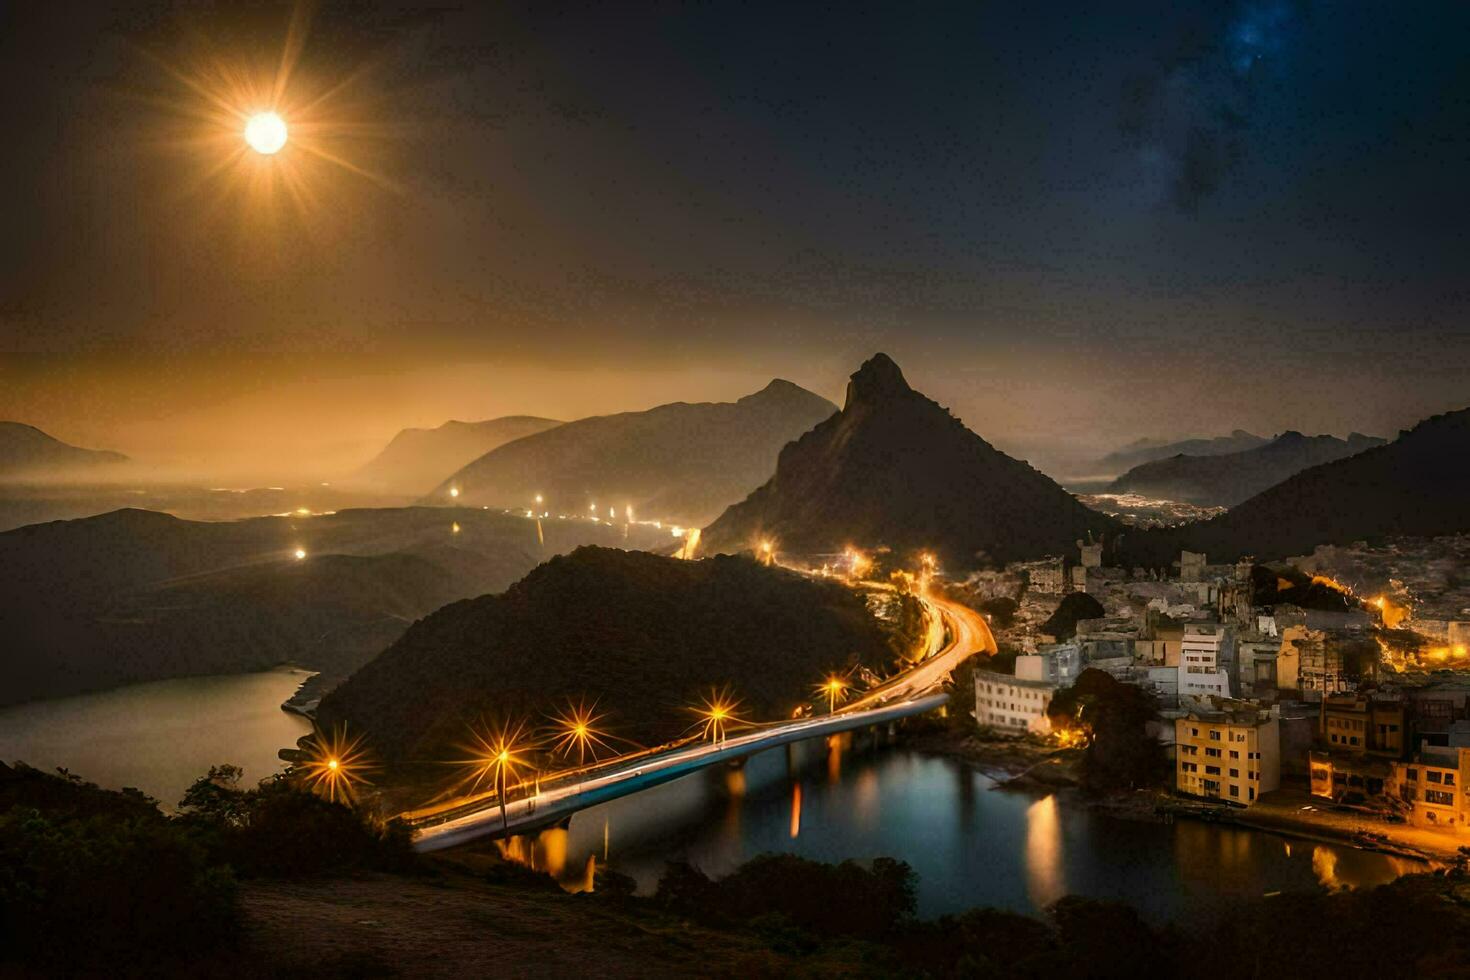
(417, 460)
(1226, 479)
(1147, 450)
(27, 453)
(137, 595)
(680, 462)
(1416, 485)
(895, 469)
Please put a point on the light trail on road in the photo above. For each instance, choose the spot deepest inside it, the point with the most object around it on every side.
(910, 693)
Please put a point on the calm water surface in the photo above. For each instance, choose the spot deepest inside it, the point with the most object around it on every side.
(159, 737)
(971, 844)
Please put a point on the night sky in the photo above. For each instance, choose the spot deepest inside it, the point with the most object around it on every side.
(1072, 224)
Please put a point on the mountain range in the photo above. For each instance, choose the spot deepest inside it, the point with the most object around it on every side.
(895, 470)
(417, 460)
(681, 463)
(1148, 450)
(27, 453)
(1415, 485)
(645, 638)
(1226, 479)
(138, 595)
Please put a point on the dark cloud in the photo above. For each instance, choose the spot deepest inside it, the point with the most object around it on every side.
(1188, 116)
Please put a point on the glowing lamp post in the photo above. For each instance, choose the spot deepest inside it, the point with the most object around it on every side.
(834, 688)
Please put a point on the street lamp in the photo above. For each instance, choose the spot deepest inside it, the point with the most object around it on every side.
(834, 688)
(335, 765)
(717, 713)
(577, 729)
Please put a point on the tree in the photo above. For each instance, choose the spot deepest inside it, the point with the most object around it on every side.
(217, 798)
(1120, 754)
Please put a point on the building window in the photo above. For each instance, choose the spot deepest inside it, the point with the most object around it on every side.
(1413, 775)
(1253, 792)
(1235, 774)
(1432, 775)
(1449, 779)
(1235, 791)
(1234, 754)
(1439, 797)
(1214, 735)
(1212, 770)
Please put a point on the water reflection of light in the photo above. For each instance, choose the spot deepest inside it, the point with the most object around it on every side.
(554, 850)
(834, 757)
(795, 810)
(735, 787)
(865, 797)
(1044, 880)
(1324, 865)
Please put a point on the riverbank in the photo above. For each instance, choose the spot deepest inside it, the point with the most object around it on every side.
(1030, 763)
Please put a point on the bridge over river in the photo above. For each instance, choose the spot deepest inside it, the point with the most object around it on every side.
(956, 633)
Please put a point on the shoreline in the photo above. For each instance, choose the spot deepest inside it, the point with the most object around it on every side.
(1020, 764)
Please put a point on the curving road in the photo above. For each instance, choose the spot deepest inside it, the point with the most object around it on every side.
(955, 633)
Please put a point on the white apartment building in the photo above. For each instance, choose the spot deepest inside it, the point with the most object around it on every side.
(1011, 703)
(1200, 653)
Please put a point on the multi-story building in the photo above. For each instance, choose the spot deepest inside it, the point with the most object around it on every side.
(1011, 703)
(1433, 785)
(1202, 650)
(1231, 753)
(1370, 722)
(1057, 665)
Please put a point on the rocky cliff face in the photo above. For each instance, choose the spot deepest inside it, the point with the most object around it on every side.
(894, 469)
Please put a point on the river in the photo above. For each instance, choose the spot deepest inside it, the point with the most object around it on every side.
(970, 843)
(160, 736)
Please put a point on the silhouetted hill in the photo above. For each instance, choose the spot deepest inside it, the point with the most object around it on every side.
(644, 636)
(417, 460)
(1415, 485)
(1148, 450)
(27, 453)
(896, 469)
(135, 595)
(681, 463)
(1226, 479)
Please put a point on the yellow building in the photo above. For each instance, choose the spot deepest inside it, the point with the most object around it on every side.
(1362, 722)
(1433, 785)
(1231, 754)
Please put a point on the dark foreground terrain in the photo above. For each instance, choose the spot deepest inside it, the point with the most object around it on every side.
(276, 882)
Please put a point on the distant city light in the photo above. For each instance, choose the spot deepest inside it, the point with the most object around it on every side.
(454, 491)
(300, 553)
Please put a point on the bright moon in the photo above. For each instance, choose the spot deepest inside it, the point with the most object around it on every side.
(265, 132)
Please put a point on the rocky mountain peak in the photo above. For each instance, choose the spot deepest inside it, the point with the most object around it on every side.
(878, 379)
